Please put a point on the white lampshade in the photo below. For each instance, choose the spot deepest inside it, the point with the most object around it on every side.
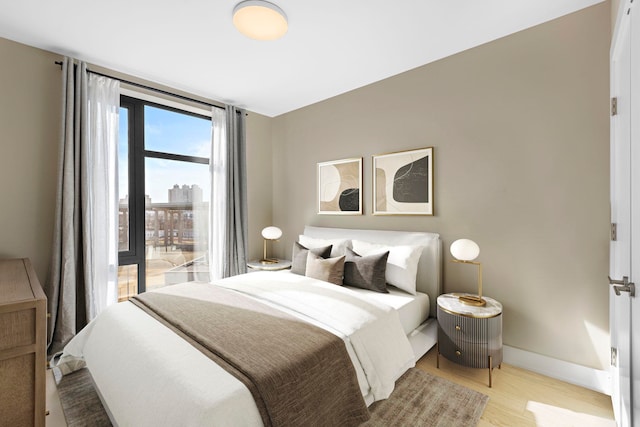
(260, 20)
(271, 233)
(465, 250)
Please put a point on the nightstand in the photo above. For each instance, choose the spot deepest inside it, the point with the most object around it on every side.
(468, 335)
(282, 264)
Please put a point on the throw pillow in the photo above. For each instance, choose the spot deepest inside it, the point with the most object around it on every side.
(366, 272)
(330, 270)
(402, 264)
(338, 245)
(299, 257)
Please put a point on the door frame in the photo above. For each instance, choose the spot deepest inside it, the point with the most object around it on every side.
(625, 377)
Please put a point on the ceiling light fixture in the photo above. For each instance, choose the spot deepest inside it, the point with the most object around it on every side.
(260, 20)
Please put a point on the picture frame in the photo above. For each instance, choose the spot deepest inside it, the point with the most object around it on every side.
(340, 187)
(403, 182)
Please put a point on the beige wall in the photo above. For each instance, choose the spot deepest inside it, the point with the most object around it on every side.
(29, 133)
(520, 130)
(259, 180)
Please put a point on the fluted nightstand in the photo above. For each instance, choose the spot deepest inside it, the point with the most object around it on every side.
(469, 335)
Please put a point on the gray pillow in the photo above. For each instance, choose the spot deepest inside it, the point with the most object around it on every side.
(366, 272)
(299, 257)
(330, 269)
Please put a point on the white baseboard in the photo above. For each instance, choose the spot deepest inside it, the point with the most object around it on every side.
(583, 376)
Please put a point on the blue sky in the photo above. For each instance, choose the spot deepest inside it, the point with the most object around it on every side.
(169, 132)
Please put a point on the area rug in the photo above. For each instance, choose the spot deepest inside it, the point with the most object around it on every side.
(419, 399)
(80, 402)
(423, 399)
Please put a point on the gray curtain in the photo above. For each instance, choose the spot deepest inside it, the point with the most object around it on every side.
(236, 236)
(82, 277)
(65, 283)
(228, 206)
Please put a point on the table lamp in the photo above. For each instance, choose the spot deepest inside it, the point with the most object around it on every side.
(269, 233)
(465, 251)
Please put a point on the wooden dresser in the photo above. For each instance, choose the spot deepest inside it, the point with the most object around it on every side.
(23, 336)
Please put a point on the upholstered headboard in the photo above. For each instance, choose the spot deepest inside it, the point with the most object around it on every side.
(429, 277)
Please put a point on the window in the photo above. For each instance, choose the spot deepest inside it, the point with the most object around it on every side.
(164, 195)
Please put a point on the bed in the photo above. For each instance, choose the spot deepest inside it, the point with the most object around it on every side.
(147, 374)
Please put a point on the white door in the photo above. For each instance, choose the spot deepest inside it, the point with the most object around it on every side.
(634, 277)
(625, 213)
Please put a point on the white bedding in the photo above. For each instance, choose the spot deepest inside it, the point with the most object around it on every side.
(148, 376)
(413, 310)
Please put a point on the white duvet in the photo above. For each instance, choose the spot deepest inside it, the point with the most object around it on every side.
(149, 376)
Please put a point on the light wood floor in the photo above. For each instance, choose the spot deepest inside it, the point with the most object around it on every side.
(56, 416)
(522, 398)
(518, 398)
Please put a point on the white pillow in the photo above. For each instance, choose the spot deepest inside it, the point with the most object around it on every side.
(338, 245)
(402, 263)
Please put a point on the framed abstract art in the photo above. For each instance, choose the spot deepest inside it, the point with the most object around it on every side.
(403, 183)
(340, 187)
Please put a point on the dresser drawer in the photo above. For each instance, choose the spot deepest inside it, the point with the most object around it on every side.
(17, 376)
(17, 328)
(470, 354)
(460, 329)
(23, 336)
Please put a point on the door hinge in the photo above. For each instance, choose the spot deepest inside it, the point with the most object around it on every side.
(614, 106)
(614, 231)
(614, 357)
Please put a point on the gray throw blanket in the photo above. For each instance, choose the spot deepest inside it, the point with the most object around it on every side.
(298, 374)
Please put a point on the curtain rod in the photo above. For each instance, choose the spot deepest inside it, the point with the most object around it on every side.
(153, 89)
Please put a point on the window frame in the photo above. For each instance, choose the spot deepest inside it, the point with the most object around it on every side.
(137, 156)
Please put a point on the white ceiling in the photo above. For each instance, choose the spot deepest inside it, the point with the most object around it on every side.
(332, 46)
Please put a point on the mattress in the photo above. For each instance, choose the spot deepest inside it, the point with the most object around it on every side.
(412, 309)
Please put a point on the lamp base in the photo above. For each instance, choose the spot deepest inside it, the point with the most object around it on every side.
(474, 300)
(269, 261)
